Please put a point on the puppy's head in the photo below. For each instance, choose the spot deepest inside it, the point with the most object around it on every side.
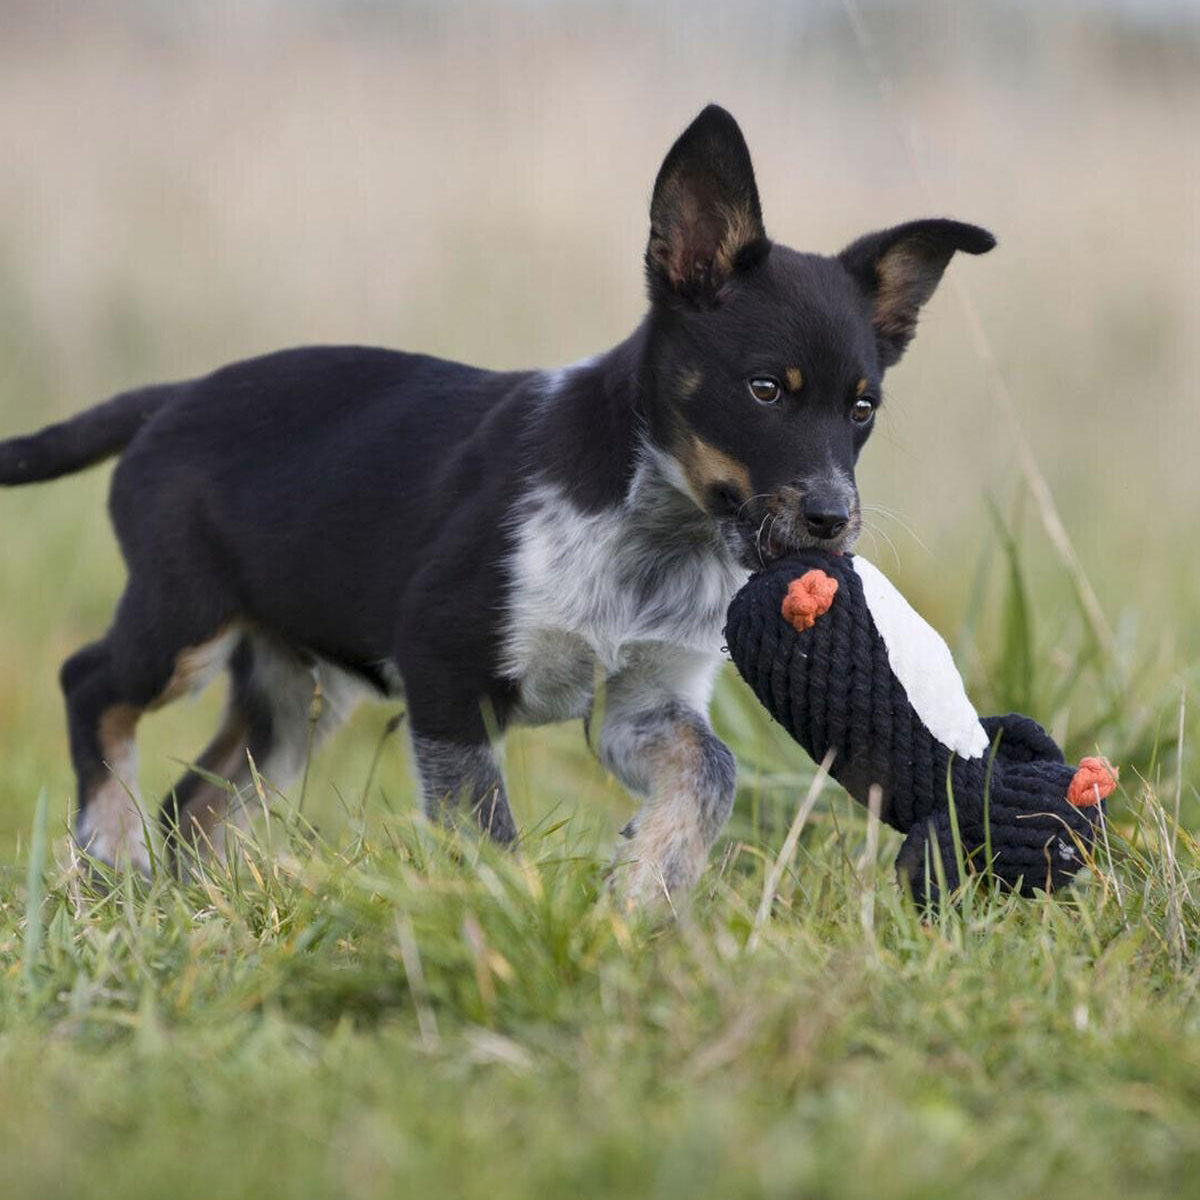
(764, 366)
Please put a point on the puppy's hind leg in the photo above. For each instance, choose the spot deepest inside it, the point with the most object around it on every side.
(152, 654)
(108, 821)
(282, 704)
(197, 807)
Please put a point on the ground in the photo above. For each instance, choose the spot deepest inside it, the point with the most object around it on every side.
(363, 1005)
(365, 1009)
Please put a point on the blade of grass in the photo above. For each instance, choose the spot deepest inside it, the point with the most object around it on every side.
(786, 852)
(35, 889)
(1016, 666)
(867, 864)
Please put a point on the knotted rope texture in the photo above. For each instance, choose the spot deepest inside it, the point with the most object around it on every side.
(802, 635)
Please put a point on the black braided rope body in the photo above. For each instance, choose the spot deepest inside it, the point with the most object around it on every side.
(832, 687)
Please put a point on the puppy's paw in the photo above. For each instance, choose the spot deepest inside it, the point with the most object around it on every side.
(114, 833)
(655, 880)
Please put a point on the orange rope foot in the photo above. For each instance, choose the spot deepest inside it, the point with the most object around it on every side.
(1093, 782)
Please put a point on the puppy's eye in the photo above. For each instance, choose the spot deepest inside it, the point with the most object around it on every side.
(765, 389)
(862, 410)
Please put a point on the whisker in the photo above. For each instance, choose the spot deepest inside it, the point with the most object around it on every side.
(895, 516)
(750, 500)
(758, 540)
(876, 530)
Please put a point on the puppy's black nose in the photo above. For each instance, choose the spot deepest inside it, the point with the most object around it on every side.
(825, 517)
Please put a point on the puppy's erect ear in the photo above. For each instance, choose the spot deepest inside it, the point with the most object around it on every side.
(705, 219)
(899, 269)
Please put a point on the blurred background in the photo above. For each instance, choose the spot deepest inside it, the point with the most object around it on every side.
(185, 183)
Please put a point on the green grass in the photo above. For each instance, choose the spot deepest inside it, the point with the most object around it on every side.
(384, 1009)
(365, 1008)
(362, 1006)
(407, 1012)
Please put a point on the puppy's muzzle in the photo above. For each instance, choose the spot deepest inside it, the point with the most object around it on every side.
(825, 514)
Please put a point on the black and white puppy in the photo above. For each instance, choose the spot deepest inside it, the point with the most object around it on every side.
(491, 545)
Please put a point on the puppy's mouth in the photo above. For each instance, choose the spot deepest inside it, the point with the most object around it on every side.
(759, 545)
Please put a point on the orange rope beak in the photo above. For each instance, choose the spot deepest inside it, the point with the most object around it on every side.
(808, 598)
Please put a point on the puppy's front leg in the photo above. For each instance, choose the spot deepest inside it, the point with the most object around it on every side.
(457, 776)
(665, 752)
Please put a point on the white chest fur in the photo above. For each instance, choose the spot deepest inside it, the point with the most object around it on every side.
(594, 592)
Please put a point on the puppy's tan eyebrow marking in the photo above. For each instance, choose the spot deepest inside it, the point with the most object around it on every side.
(860, 387)
(795, 379)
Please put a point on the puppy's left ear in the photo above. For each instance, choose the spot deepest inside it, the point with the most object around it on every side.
(900, 268)
(705, 219)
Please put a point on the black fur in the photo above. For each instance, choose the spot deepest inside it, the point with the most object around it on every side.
(361, 505)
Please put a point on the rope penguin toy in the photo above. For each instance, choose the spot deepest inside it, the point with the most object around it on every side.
(841, 660)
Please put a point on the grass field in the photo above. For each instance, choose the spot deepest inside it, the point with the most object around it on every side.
(364, 1007)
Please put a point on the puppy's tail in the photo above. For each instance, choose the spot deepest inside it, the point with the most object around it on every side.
(92, 436)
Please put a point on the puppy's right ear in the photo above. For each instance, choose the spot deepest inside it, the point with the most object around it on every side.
(705, 219)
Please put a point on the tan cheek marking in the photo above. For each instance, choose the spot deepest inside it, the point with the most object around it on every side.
(689, 383)
(705, 465)
(795, 379)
